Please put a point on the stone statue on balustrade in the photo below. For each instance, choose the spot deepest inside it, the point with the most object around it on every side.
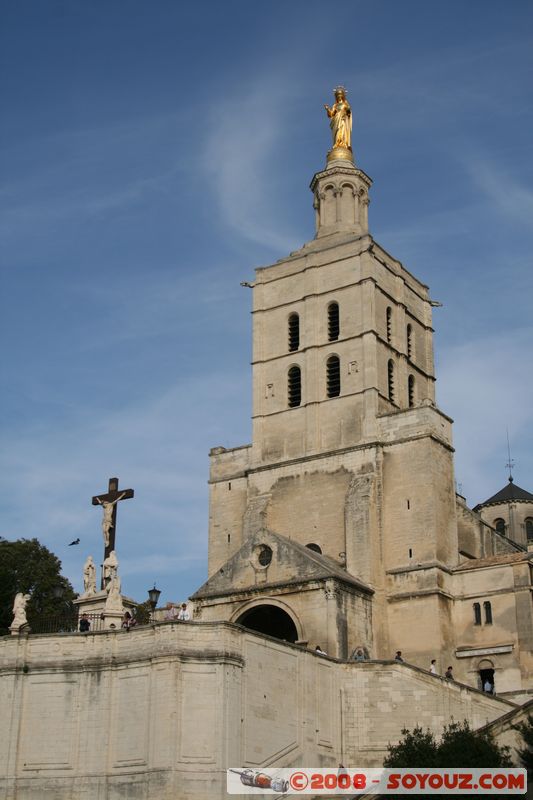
(19, 612)
(89, 577)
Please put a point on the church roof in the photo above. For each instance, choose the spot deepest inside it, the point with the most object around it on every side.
(494, 561)
(506, 495)
(291, 563)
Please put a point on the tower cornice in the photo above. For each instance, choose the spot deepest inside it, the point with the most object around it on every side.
(340, 168)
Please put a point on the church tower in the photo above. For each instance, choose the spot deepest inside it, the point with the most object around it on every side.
(350, 459)
(341, 331)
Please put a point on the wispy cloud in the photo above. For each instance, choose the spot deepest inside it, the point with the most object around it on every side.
(502, 189)
(248, 129)
(486, 385)
(440, 85)
(49, 477)
(237, 157)
(86, 173)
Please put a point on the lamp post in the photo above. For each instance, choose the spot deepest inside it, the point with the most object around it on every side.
(64, 621)
(153, 599)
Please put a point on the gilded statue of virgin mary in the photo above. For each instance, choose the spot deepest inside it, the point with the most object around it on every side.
(340, 115)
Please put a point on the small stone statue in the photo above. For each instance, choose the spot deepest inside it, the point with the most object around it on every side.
(110, 569)
(114, 597)
(19, 611)
(89, 577)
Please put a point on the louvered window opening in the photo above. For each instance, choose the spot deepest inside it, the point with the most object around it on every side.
(294, 332)
(333, 322)
(411, 391)
(294, 387)
(409, 342)
(477, 614)
(333, 369)
(390, 370)
(389, 323)
(488, 612)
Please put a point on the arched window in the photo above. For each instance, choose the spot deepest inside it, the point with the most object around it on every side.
(488, 612)
(333, 322)
(477, 614)
(294, 390)
(389, 323)
(409, 341)
(411, 390)
(333, 376)
(499, 524)
(529, 529)
(315, 547)
(294, 332)
(390, 376)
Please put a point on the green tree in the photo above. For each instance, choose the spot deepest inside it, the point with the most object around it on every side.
(417, 748)
(28, 566)
(143, 612)
(459, 746)
(526, 753)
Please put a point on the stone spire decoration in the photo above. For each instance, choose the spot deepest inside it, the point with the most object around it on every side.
(341, 190)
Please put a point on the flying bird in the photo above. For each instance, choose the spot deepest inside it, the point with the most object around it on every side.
(76, 541)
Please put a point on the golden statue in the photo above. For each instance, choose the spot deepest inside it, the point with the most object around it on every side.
(340, 115)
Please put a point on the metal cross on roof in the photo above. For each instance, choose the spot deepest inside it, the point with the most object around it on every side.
(510, 461)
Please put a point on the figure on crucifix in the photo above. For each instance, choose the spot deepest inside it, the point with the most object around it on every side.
(109, 503)
(108, 507)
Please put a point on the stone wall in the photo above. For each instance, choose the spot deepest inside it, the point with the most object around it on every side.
(514, 515)
(162, 711)
(477, 538)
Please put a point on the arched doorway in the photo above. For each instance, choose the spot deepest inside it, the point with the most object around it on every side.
(270, 620)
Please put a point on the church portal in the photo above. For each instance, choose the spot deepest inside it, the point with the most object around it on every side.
(271, 620)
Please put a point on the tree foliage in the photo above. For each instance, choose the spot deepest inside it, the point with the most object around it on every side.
(459, 746)
(526, 753)
(143, 613)
(417, 748)
(28, 566)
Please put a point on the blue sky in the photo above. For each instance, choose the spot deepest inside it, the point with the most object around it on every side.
(153, 154)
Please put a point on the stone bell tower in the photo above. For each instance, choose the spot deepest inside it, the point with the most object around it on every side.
(341, 199)
(341, 330)
(349, 458)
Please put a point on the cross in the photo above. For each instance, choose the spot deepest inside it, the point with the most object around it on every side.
(109, 505)
(510, 461)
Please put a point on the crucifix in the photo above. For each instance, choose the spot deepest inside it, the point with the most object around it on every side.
(109, 502)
